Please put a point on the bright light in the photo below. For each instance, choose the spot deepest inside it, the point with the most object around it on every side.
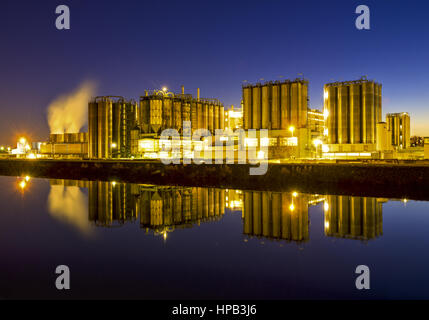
(326, 95)
(250, 142)
(265, 142)
(164, 89)
(325, 131)
(1, 148)
(326, 224)
(292, 129)
(31, 156)
(22, 184)
(326, 206)
(325, 148)
(405, 201)
(27, 178)
(261, 155)
(317, 142)
(22, 141)
(164, 235)
(223, 138)
(113, 183)
(325, 113)
(295, 194)
(27, 147)
(292, 207)
(113, 145)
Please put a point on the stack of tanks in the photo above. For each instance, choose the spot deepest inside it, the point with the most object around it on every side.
(120, 128)
(66, 145)
(281, 107)
(111, 120)
(161, 110)
(352, 109)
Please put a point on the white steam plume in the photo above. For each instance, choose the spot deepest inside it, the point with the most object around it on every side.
(69, 113)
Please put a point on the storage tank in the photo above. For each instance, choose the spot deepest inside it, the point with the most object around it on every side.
(343, 114)
(247, 107)
(256, 107)
(93, 129)
(275, 109)
(355, 113)
(266, 110)
(285, 103)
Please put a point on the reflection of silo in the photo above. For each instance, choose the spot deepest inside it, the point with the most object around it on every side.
(276, 215)
(353, 217)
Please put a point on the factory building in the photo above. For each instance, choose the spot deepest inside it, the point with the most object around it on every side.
(316, 124)
(276, 215)
(234, 118)
(352, 110)
(281, 107)
(110, 122)
(65, 145)
(353, 217)
(398, 124)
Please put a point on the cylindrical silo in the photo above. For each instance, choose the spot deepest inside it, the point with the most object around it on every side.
(93, 130)
(265, 107)
(275, 106)
(256, 107)
(247, 107)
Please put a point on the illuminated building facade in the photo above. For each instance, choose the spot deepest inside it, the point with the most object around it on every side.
(110, 122)
(281, 107)
(234, 118)
(398, 124)
(352, 110)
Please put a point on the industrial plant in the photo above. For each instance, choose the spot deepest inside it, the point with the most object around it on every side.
(349, 127)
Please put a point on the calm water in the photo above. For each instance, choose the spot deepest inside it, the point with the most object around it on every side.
(141, 241)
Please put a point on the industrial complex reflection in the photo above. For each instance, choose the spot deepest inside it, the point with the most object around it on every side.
(159, 210)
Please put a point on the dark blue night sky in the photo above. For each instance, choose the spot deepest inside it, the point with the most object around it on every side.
(129, 46)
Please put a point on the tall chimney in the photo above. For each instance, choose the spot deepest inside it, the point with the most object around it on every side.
(198, 94)
(183, 90)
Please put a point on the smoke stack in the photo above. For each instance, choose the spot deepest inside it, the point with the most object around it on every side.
(198, 94)
(183, 90)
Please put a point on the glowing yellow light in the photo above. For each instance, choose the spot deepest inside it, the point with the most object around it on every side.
(325, 113)
(261, 155)
(265, 142)
(113, 183)
(325, 132)
(1, 148)
(326, 95)
(27, 147)
(165, 235)
(31, 156)
(317, 142)
(326, 224)
(292, 129)
(292, 207)
(164, 89)
(22, 140)
(22, 184)
(326, 206)
(325, 148)
(295, 194)
(113, 145)
(405, 200)
(27, 178)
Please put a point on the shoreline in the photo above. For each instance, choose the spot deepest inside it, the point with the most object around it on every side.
(399, 181)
